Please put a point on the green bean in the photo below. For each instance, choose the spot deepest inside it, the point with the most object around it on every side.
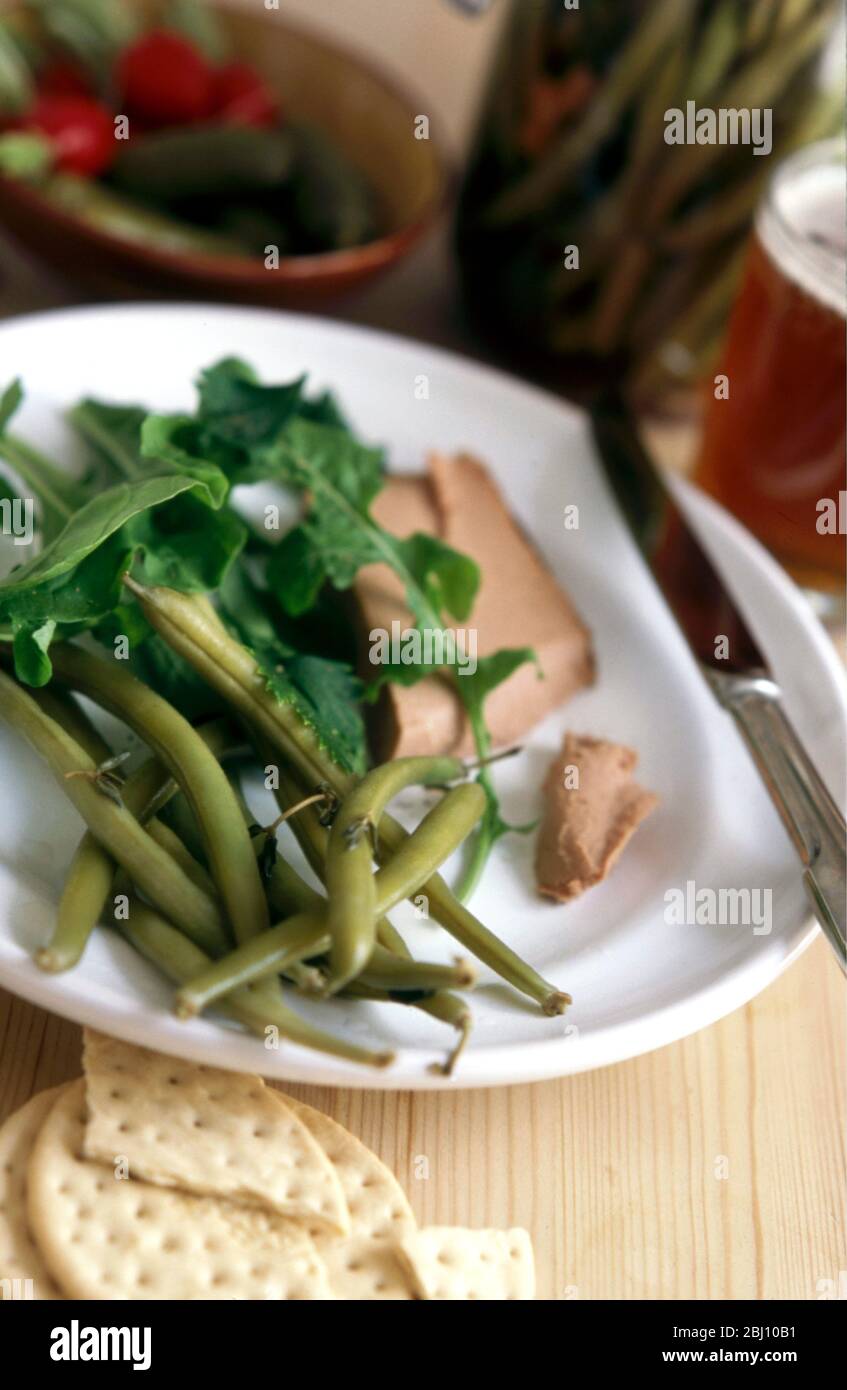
(279, 948)
(180, 817)
(333, 200)
(446, 1008)
(471, 933)
(90, 874)
(89, 878)
(437, 836)
(114, 826)
(199, 774)
(398, 975)
(289, 894)
(440, 832)
(794, 13)
(312, 839)
(152, 788)
(170, 841)
(200, 638)
(352, 912)
(118, 215)
(263, 956)
(63, 709)
(305, 936)
(395, 841)
(179, 959)
(388, 936)
(704, 311)
(760, 21)
(86, 888)
(89, 882)
(231, 671)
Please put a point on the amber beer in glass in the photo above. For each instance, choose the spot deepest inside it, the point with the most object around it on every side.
(774, 440)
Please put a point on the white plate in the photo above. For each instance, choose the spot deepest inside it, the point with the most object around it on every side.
(637, 982)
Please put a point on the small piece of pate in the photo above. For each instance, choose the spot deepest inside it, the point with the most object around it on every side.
(592, 805)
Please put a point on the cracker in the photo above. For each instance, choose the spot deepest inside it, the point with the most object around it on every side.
(449, 1262)
(20, 1258)
(364, 1270)
(105, 1237)
(207, 1131)
(377, 1204)
(366, 1266)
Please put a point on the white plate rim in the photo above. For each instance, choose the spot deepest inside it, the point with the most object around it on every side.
(492, 1066)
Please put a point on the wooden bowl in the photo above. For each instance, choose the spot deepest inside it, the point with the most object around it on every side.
(317, 82)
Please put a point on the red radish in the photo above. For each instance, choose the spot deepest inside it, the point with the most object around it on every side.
(62, 78)
(81, 130)
(165, 80)
(241, 95)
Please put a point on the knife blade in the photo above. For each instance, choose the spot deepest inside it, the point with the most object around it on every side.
(730, 659)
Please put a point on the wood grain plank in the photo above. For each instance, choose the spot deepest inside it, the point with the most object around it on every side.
(710, 1169)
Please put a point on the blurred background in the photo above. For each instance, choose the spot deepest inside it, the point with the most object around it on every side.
(491, 176)
(437, 54)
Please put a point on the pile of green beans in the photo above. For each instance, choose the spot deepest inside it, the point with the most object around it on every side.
(173, 859)
(202, 641)
(421, 854)
(177, 950)
(114, 826)
(180, 960)
(92, 869)
(187, 758)
(350, 882)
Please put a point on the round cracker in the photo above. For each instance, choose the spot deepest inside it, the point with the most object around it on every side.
(203, 1130)
(363, 1270)
(20, 1257)
(377, 1204)
(365, 1266)
(108, 1237)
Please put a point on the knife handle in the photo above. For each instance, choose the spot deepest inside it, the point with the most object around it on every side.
(808, 812)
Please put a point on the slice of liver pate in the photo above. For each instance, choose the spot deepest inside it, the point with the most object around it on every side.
(585, 827)
(519, 604)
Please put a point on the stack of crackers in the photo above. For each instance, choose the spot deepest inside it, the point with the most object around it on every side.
(154, 1178)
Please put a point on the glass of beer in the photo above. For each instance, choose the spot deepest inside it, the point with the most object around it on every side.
(774, 441)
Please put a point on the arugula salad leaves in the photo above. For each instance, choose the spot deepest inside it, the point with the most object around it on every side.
(158, 498)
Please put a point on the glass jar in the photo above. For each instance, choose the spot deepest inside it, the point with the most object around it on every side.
(589, 242)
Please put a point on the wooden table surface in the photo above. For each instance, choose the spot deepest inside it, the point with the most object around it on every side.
(709, 1169)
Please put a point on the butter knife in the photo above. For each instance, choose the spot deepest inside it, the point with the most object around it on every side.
(735, 669)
